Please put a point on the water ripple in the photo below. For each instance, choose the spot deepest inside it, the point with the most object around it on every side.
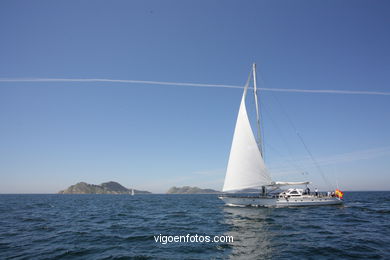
(123, 227)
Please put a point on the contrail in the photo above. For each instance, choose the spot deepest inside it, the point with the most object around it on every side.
(317, 91)
(328, 91)
(32, 80)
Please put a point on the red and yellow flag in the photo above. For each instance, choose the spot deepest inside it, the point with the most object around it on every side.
(339, 193)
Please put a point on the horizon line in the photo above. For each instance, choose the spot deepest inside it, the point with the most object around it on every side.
(158, 193)
(186, 84)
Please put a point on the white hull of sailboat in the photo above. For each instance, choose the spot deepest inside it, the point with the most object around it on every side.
(280, 202)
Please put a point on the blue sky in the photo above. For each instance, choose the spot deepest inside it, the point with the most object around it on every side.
(54, 134)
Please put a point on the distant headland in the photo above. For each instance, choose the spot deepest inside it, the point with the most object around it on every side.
(190, 190)
(110, 187)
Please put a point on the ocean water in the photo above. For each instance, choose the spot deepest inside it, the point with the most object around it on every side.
(124, 227)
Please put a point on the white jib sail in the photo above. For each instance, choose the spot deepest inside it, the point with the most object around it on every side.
(246, 168)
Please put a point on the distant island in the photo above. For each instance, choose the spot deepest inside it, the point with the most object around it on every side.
(190, 190)
(110, 187)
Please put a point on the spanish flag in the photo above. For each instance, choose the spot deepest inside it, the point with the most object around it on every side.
(339, 193)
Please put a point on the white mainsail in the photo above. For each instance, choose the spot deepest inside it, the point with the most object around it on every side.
(246, 168)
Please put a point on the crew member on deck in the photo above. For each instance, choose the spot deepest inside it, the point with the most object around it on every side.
(263, 191)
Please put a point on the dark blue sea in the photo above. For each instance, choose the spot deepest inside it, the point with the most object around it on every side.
(125, 227)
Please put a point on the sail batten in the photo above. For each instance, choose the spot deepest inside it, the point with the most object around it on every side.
(246, 168)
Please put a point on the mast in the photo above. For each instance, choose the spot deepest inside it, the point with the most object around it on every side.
(259, 140)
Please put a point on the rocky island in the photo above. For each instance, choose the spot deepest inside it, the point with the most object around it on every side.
(110, 187)
(190, 190)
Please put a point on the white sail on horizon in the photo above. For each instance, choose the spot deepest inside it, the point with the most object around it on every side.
(246, 167)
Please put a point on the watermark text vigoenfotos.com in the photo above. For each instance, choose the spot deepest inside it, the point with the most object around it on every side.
(165, 239)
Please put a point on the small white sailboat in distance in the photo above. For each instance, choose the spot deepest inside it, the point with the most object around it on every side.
(246, 169)
(132, 192)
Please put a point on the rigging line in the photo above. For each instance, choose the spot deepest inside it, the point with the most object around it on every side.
(288, 162)
(262, 132)
(301, 168)
(166, 83)
(315, 162)
(296, 165)
(303, 142)
(262, 129)
(248, 83)
(301, 139)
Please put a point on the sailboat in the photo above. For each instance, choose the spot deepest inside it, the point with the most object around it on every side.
(132, 192)
(247, 170)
